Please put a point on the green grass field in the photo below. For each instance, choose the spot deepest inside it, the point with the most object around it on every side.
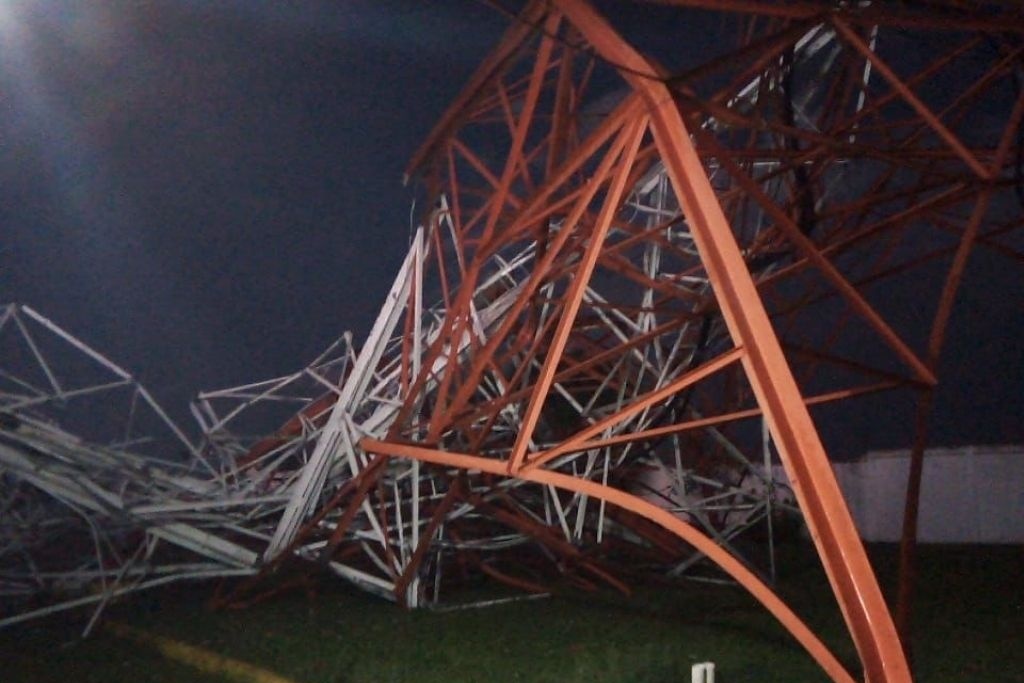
(970, 621)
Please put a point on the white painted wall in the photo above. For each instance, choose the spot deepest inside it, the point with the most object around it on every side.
(973, 494)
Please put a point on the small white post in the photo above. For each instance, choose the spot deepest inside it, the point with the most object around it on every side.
(703, 673)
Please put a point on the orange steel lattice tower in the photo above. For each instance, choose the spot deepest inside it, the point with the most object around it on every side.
(640, 269)
(651, 245)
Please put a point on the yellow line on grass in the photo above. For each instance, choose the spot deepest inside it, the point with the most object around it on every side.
(198, 657)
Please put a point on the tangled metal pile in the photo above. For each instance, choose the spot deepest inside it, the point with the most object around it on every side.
(101, 493)
(641, 278)
(104, 495)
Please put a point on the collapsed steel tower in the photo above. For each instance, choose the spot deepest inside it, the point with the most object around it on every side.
(96, 481)
(628, 267)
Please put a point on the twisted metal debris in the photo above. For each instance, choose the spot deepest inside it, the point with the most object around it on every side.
(137, 505)
(641, 281)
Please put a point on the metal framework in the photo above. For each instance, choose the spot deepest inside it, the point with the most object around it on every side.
(643, 276)
(101, 494)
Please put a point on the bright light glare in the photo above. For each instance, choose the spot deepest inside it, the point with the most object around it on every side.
(9, 24)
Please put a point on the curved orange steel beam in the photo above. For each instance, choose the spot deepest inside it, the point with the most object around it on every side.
(757, 588)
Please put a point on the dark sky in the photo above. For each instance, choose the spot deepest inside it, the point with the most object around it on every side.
(210, 192)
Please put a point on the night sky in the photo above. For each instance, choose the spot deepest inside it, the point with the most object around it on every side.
(210, 192)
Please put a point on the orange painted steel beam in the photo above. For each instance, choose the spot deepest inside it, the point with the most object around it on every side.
(688, 533)
(516, 519)
(711, 421)
(913, 81)
(350, 487)
(600, 175)
(853, 39)
(538, 203)
(641, 403)
(456, 327)
(874, 14)
(819, 261)
(793, 431)
(420, 552)
(460, 326)
(581, 278)
(495, 405)
(510, 43)
(925, 399)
